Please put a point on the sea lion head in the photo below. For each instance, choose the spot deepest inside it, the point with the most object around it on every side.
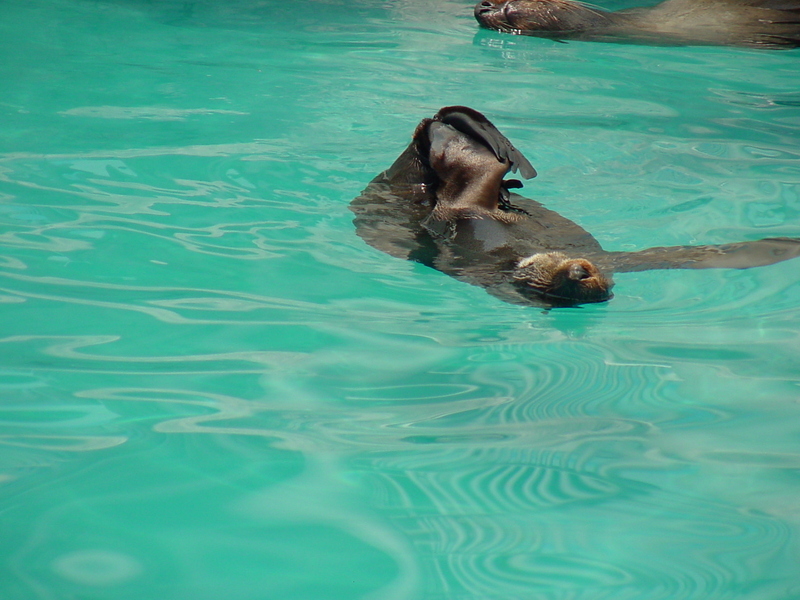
(541, 16)
(563, 280)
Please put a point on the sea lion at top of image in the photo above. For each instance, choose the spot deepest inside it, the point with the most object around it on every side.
(749, 23)
(445, 203)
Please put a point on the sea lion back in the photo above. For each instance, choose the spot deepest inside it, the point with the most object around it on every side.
(754, 23)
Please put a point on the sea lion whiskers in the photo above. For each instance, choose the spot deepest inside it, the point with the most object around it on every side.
(575, 5)
(562, 16)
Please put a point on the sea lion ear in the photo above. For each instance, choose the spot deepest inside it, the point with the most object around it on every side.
(474, 124)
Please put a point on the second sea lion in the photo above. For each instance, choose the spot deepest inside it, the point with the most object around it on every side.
(750, 23)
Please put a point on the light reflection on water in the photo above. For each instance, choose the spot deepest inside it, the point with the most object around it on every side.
(211, 387)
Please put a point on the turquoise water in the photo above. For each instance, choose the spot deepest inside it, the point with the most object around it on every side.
(210, 387)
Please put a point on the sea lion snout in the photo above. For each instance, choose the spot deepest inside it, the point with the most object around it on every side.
(484, 7)
(515, 15)
(495, 14)
(577, 272)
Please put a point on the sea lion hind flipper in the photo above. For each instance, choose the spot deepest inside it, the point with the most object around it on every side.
(742, 255)
(474, 124)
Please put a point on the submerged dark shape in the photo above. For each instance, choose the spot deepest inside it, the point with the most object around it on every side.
(444, 203)
(751, 23)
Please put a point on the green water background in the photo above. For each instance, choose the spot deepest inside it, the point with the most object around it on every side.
(211, 387)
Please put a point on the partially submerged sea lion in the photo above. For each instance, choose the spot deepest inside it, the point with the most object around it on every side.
(754, 23)
(444, 203)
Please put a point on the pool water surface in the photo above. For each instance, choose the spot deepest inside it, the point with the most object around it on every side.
(211, 387)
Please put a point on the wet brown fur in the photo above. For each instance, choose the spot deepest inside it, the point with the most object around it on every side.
(559, 277)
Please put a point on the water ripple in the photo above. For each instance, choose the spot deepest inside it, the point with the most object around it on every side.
(142, 112)
(210, 383)
(495, 530)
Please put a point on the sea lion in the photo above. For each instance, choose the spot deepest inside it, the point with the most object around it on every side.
(751, 23)
(445, 203)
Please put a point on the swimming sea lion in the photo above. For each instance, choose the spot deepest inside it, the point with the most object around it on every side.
(444, 203)
(753, 23)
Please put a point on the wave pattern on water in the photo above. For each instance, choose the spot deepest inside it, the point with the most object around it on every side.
(675, 545)
(209, 382)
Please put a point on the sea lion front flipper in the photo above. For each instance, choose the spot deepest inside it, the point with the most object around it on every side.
(742, 255)
(388, 218)
(472, 123)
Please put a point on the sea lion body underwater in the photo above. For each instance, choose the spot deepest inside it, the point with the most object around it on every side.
(445, 203)
(750, 23)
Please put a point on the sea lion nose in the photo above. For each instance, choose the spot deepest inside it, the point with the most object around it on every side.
(578, 273)
(484, 7)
